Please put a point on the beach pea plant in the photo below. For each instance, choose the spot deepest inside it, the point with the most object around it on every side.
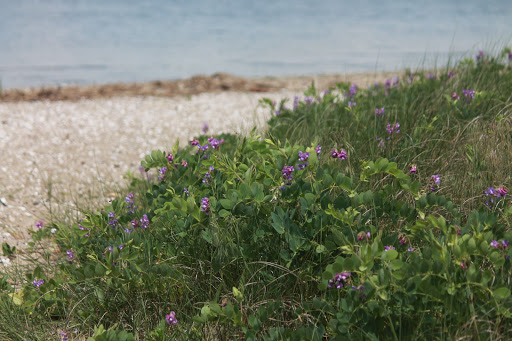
(259, 239)
(363, 214)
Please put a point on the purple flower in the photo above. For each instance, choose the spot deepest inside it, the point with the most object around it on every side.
(352, 90)
(392, 128)
(111, 215)
(431, 76)
(205, 128)
(134, 223)
(186, 191)
(215, 143)
(295, 102)
(342, 154)
(70, 254)
(208, 175)
(37, 283)
(301, 166)
(351, 104)
(194, 142)
(450, 74)
(127, 230)
(205, 205)
(413, 169)
(121, 247)
(379, 112)
(504, 244)
(303, 156)
(468, 94)
(144, 222)
(387, 248)
(410, 249)
(318, 149)
(338, 280)
(64, 336)
(171, 318)
(479, 56)
(455, 97)
(169, 157)
(309, 100)
(162, 172)
(287, 172)
(436, 178)
(395, 81)
(40, 224)
(129, 200)
(495, 244)
(381, 143)
(184, 163)
(502, 191)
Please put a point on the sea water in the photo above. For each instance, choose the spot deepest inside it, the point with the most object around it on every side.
(50, 42)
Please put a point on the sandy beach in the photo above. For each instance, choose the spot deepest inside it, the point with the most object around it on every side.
(67, 148)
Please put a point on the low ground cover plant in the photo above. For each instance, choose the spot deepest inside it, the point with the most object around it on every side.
(345, 220)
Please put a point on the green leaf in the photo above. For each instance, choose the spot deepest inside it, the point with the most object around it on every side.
(224, 213)
(501, 293)
(389, 255)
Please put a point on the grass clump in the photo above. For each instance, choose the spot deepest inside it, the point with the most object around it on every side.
(312, 231)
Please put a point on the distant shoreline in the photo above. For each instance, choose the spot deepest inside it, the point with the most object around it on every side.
(219, 82)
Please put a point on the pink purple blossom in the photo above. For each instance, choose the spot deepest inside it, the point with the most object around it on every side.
(171, 318)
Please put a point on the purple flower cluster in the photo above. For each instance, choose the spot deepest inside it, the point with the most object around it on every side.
(212, 142)
(318, 149)
(479, 56)
(171, 318)
(469, 95)
(393, 128)
(296, 101)
(70, 254)
(112, 219)
(144, 222)
(437, 179)
(129, 200)
(186, 191)
(37, 283)
(492, 193)
(205, 205)
(40, 224)
(413, 169)
(495, 244)
(208, 175)
(379, 112)
(309, 100)
(184, 163)
(352, 91)
(431, 76)
(162, 172)
(455, 97)
(303, 157)
(342, 154)
(338, 280)
(402, 239)
(387, 248)
(351, 104)
(169, 157)
(287, 172)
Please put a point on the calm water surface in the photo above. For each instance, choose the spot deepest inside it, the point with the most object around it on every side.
(48, 42)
